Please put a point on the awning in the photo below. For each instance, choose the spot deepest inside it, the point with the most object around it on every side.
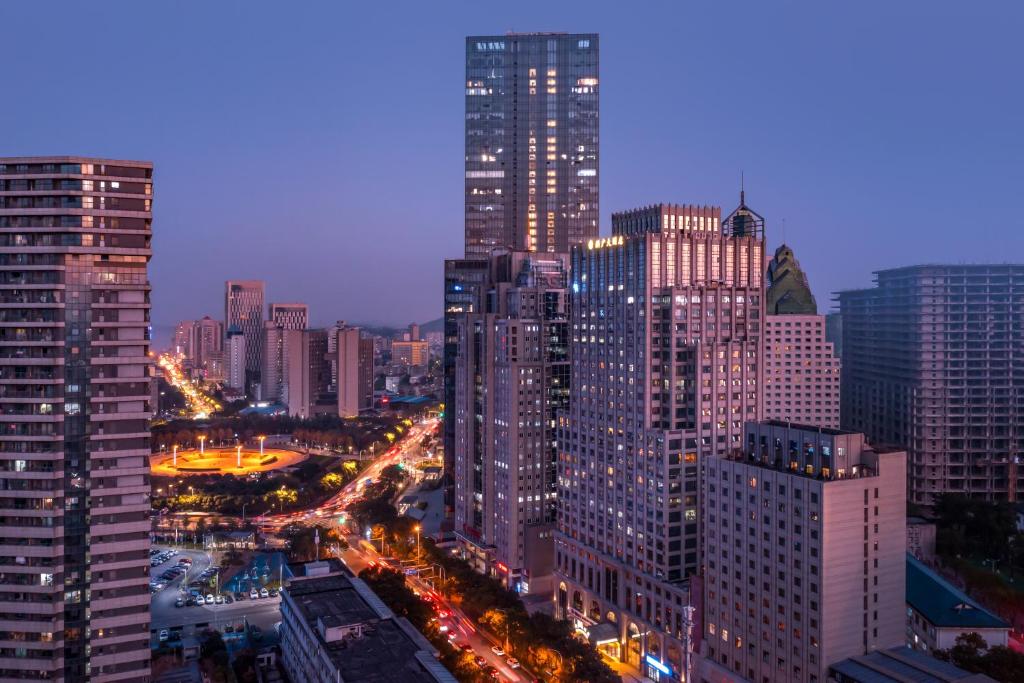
(605, 632)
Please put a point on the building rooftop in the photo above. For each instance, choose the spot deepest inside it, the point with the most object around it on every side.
(942, 603)
(901, 665)
(387, 649)
(811, 428)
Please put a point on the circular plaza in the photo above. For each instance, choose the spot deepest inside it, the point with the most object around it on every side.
(229, 460)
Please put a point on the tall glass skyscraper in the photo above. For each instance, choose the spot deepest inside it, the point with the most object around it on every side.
(531, 141)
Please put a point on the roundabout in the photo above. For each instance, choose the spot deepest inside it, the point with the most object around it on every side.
(231, 460)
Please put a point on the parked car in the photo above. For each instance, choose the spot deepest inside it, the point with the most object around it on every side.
(164, 635)
(273, 592)
(264, 593)
(180, 602)
(210, 599)
(200, 600)
(254, 594)
(228, 599)
(239, 596)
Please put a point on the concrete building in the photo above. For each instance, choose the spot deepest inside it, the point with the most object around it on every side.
(789, 292)
(801, 382)
(805, 548)
(355, 371)
(335, 629)
(273, 367)
(243, 309)
(410, 353)
(532, 139)
(666, 325)
(289, 316)
(932, 362)
(413, 332)
(937, 612)
(75, 382)
(512, 379)
(235, 358)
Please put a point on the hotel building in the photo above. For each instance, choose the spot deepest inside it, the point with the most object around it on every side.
(666, 325)
(511, 379)
(75, 388)
(805, 533)
(933, 362)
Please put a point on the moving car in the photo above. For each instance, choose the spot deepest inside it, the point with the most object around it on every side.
(480, 661)
(512, 662)
(497, 649)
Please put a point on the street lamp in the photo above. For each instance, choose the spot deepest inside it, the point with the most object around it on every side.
(239, 464)
(202, 445)
(262, 439)
(417, 542)
(175, 456)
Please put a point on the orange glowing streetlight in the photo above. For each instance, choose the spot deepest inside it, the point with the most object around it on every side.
(175, 456)
(202, 444)
(239, 465)
(262, 439)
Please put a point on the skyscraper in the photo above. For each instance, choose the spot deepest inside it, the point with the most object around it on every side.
(74, 246)
(355, 371)
(666, 324)
(463, 290)
(305, 373)
(801, 382)
(234, 350)
(933, 362)
(243, 308)
(806, 547)
(208, 341)
(512, 379)
(532, 148)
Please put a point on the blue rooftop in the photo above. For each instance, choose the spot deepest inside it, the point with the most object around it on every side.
(900, 665)
(942, 603)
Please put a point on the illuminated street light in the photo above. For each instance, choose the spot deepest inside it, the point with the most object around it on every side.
(262, 439)
(239, 465)
(202, 444)
(175, 456)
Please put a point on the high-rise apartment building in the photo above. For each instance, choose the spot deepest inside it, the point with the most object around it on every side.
(805, 550)
(355, 371)
(234, 350)
(289, 316)
(272, 370)
(243, 308)
(209, 340)
(667, 322)
(531, 141)
(933, 361)
(801, 382)
(75, 383)
(512, 379)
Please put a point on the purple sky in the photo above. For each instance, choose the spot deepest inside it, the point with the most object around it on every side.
(319, 145)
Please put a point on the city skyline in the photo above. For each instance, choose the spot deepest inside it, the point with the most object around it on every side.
(829, 124)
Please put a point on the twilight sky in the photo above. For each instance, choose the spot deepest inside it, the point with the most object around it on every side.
(319, 145)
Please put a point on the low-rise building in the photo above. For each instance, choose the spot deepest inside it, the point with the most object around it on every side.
(900, 665)
(335, 629)
(938, 612)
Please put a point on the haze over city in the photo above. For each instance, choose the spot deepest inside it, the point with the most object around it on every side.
(320, 145)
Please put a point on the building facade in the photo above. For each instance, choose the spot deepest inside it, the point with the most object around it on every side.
(289, 316)
(933, 361)
(789, 292)
(411, 353)
(532, 139)
(75, 383)
(805, 530)
(666, 348)
(243, 308)
(355, 371)
(801, 382)
(306, 373)
(512, 379)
